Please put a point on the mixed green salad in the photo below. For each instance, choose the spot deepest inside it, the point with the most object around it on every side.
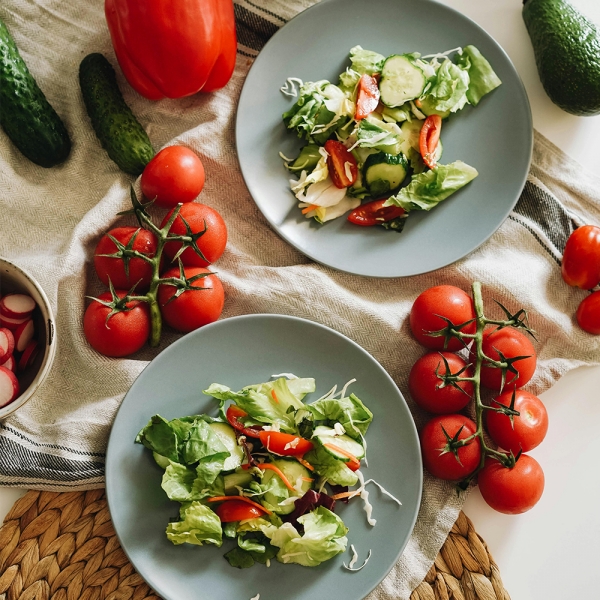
(375, 135)
(266, 472)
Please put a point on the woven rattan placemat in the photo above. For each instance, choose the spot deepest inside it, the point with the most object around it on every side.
(62, 546)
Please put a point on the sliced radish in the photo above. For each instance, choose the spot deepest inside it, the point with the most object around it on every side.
(9, 386)
(10, 363)
(28, 355)
(23, 335)
(17, 306)
(7, 343)
(11, 323)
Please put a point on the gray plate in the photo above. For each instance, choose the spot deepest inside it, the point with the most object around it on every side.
(237, 352)
(495, 137)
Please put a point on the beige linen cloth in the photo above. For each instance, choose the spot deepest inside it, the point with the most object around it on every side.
(51, 219)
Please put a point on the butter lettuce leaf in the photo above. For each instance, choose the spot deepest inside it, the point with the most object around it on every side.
(349, 411)
(329, 467)
(198, 525)
(482, 78)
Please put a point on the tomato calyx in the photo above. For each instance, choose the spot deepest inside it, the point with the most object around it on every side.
(342, 166)
(183, 283)
(234, 414)
(429, 139)
(376, 213)
(451, 331)
(119, 302)
(509, 410)
(448, 378)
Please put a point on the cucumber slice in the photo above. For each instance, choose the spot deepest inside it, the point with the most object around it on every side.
(232, 481)
(384, 172)
(293, 470)
(227, 435)
(344, 442)
(401, 81)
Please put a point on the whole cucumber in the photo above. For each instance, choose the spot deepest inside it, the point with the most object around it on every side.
(119, 132)
(25, 114)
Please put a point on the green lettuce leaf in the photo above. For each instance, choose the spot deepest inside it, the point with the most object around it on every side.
(324, 537)
(429, 188)
(366, 61)
(184, 484)
(482, 77)
(349, 411)
(330, 468)
(381, 136)
(198, 525)
(448, 91)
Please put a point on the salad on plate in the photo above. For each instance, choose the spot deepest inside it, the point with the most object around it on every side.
(267, 472)
(373, 145)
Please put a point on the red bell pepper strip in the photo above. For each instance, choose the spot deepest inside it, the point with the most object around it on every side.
(342, 166)
(374, 213)
(173, 49)
(233, 415)
(429, 139)
(367, 96)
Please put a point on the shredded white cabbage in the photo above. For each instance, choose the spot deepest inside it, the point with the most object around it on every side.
(339, 428)
(286, 375)
(289, 88)
(342, 393)
(364, 494)
(416, 111)
(443, 54)
(286, 160)
(355, 558)
(257, 597)
(292, 444)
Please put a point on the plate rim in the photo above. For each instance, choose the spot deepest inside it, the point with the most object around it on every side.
(275, 316)
(444, 263)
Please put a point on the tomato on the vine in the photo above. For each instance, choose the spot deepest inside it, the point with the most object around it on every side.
(237, 510)
(438, 459)
(426, 387)
(588, 313)
(512, 491)
(193, 308)
(114, 269)
(120, 335)
(437, 302)
(527, 429)
(199, 217)
(581, 258)
(512, 343)
(174, 175)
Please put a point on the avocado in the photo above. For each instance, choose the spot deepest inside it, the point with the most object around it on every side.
(567, 52)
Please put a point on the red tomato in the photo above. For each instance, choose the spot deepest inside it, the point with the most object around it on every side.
(441, 301)
(429, 139)
(140, 271)
(342, 166)
(581, 258)
(511, 491)
(441, 463)
(123, 334)
(234, 413)
(193, 308)
(588, 313)
(424, 384)
(174, 175)
(374, 213)
(237, 510)
(512, 343)
(212, 243)
(526, 431)
(367, 96)
(276, 442)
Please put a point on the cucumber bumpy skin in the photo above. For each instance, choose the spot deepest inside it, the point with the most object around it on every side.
(26, 116)
(119, 132)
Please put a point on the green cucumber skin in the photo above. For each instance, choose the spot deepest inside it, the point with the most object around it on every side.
(119, 132)
(567, 53)
(26, 116)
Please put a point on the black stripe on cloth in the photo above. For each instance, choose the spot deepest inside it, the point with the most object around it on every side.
(39, 445)
(266, 12)
(18, 461)
(545, 211)
(253, 31)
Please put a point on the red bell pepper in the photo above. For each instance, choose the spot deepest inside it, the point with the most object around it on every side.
(173, 49)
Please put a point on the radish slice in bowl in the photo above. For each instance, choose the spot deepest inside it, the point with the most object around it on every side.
(17, 306)
(7, 343)
(11, 323)
(24, 334)
(28, 355)
(10, 363)
(9, 386)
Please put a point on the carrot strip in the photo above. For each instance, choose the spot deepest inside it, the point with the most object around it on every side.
(345, 495)
(304, 463)
(354, 462)
(274, 396)
(307, 479)
(242, 498)
(309, 208)
(278, 471)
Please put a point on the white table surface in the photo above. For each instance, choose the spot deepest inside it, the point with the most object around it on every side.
(549, 553)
